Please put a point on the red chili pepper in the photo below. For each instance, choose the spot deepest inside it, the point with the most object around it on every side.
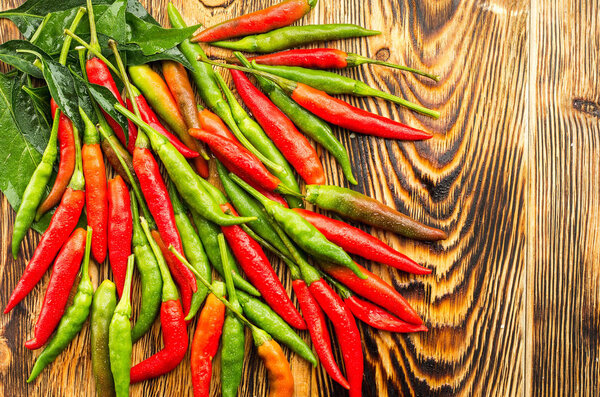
(212, 123)
(66, 165)
(63, 222)
(175, 340)
(205, 344)
(119, 229)
(98, 73)
(293, 145)
(150, 117)
(376, 290)
(312, 58)
(355, 241)
(346, 331)
(255, 264)
(378, 318)
(276, 16)
(62, 278)
(317, 327)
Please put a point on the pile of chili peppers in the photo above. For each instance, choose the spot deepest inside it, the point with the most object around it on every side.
(229, 196)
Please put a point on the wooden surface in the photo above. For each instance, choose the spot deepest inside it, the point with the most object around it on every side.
(512, 174)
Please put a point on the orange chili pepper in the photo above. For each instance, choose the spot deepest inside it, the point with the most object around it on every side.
(281, 381)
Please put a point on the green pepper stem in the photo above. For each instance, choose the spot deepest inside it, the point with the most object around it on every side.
(364, 89)
(124, 305)
(252, 191)
(96, 53)
(169, 290)
(93, 35)
(39, 29)
(85, 273)
(356, 60)
(64, 52)
(77, 180)
(227, 270)
(113, 46)
(344, 292)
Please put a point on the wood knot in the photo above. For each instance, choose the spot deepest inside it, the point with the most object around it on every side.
(5, 356)
(216, 3)
(383, 54)
(588, 107)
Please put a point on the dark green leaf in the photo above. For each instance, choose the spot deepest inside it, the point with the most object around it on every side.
(34, 126)
(134, 7)
(152, 38)
(41, 100)
(21, 61)
(112, 22)
(63, 91)
(136, 57)
(85, 102)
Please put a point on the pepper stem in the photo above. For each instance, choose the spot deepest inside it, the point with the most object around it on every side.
(39, 30)
(93, 35)
(64, 52)
(355, 60)
(98, 54)
(169, 290)
(252, 191)
(85, 274)
(113, 46)
(124, 305)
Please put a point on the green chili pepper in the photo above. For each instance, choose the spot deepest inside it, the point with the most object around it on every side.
(257, 136)
(169, 289)
(184, 177)
(333, 83)
(307, 122)
(150, 277)
(208, 233)
(309, 238)
(293, 36)
(119, 337)
(232, 351)
(358, 207)
(103, 307)
(74, 317)
(247, 206)
(263, 316)
(35, 189)
(193, 249)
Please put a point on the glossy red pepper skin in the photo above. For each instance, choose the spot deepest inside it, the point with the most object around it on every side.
(63, 222)
(312, 58)
(150, 117)
(376, 290)
(346, 331)
(212, 123)
(260, 273)
(317, 327)
(355, 241)
(343, 114)
(62, 278)
(293, 145)
(96, 200)
(175, 340)
(98, 73)
(119, 229)
(276, 16)
(378, 318)
(66, 165)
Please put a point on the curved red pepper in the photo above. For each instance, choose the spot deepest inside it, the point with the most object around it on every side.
(255, 264)
(355, 241)
(293, 145)
(312, 58)
(119, 229)
(63, 222)
(98, 73)
(378, 318)
(317, 327)
(175, 340)
(212, 123)
(376, 290)
(346, 331)
(62, 278)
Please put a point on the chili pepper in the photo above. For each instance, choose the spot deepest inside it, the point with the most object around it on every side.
(186, 181)
(74, 317)
(149, 117)
(119, 337)
(376, 290)
(302, 232)
(355, 241)
(338, 112)
(333, 83)
(276, 16)
(62, 278)
(346, 331)
(372, 314)
(95, 192)
(206, 341)
(212, 123)
(103, 307)
(263, 316)
(294, 146)
(328, 58)
(35, 189)
(66, 164)
(281, 380)
(175, 336)
(255, 264)
(358, 207)
(261, 141)
(208, 233)
(150, 277)
(193, 249)
(294, 36)
(119, 229)
(308, 123)
(63, 222)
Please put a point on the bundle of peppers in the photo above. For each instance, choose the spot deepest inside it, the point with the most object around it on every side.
(229, 194)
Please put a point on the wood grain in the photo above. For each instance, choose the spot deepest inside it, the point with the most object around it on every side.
(511, 174)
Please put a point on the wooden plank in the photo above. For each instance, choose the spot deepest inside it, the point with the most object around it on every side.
(469, 179)
(563, 279)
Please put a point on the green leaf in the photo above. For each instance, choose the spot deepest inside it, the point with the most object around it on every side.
(41, 100)
(85, 102)
(34, 126)
(134, 7)
(135, 56)
(63, 91)
(152, 38)
(18, 157)
(112, 22)
(21, 61)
